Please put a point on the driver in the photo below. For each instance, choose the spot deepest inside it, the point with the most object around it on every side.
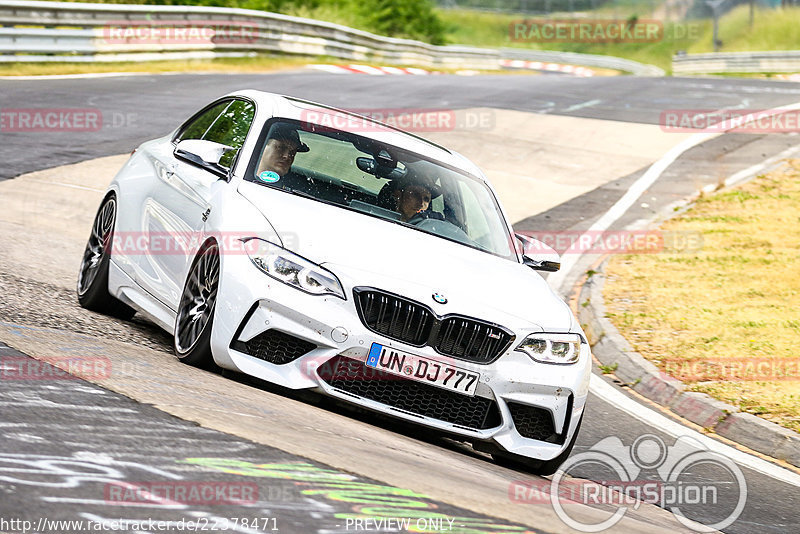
(414, 197)
(283, 144)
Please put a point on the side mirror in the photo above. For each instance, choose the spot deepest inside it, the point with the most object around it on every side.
(537, 255)
(207, 154)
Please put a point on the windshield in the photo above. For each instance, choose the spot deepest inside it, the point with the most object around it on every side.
(382, 181)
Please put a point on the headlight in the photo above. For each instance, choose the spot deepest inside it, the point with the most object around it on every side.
(552, 348)
(291, 269)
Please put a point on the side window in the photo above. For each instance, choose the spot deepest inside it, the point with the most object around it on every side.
(200, 125)
(231, 127)
(226, 123)
(475, 218)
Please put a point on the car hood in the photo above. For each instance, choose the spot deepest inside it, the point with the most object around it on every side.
(367, 251)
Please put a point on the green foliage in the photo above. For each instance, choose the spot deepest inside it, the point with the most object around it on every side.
(608, 369)
(773, 29)
(413, 19)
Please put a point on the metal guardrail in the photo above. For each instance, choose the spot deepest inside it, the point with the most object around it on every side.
(36, 31)
(589, 60)
(735, 62)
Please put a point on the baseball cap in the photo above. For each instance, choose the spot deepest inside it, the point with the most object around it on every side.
(422, 180)
(286, 132)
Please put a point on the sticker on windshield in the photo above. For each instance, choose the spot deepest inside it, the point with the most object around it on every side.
(269, 177)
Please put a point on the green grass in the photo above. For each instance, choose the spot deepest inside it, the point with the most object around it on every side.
(493, 30)
(255, 64)
(774, 29)
(736, 300)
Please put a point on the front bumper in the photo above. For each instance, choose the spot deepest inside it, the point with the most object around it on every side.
(524, 407)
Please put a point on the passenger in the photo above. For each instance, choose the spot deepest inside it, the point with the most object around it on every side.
(283, 144)
(414, 196)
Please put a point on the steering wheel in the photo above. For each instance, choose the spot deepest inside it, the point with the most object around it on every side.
(418, 218)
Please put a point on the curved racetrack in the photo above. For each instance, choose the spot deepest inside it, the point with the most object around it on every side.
(560, 150)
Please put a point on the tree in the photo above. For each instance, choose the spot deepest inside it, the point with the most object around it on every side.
(413, 19)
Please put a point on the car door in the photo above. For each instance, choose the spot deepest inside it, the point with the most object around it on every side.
(175, 213)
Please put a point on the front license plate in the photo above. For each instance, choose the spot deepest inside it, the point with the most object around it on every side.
(423, 369)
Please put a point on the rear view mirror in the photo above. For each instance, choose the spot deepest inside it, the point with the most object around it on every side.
(380, 168)
(367, 165)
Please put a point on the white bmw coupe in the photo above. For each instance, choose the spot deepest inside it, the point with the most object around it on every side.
(314, 248)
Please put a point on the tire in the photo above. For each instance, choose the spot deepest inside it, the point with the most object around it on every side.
(538, 467)
(92, 286)
(195, 320)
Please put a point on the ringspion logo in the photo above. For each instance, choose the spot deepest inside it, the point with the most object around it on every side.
(647, 471)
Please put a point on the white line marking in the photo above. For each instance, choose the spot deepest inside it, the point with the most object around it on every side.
(650, 417)
(622, 205)
(48, 404)
(367, 69)
(582, 105)
(610, 394)
(328, 68)
(758, 167)
(652, 174)
(393, 70)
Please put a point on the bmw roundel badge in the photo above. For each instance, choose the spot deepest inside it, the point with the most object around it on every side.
(438, 297)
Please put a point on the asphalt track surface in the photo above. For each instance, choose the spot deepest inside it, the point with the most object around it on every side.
(137, 108)
(169, 472)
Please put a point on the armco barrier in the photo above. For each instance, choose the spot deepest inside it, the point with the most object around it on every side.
(734, 62)
(35, 31)
(589, 60)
